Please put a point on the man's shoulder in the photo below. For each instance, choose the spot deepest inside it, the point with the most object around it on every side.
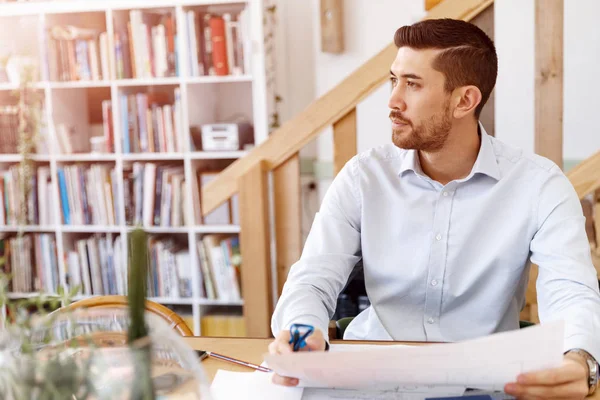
(509, 157)
(379, 155)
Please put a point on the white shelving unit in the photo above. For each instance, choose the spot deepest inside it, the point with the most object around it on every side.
(204, 99)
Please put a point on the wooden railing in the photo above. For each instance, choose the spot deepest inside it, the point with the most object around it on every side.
(279, 154)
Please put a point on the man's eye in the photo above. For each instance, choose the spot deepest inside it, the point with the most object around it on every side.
(394, 81)
(411, 84)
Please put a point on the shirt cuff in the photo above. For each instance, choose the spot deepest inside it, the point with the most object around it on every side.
(583, 342)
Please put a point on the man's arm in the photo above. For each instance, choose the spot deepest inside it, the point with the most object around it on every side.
(567, 289)
(567, 284)
(331, 251)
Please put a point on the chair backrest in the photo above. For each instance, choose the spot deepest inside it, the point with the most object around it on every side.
(114, 301)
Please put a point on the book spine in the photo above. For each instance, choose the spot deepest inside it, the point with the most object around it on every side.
(219, 45)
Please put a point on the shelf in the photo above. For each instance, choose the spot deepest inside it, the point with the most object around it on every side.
(148, 82)
(16, 295)
(172, 300)
(89, 229)
(86, 157)
(153, 156)
(217, 79)
(7, 86)
(218, 155)
(79, 84)
(73, 6)
(216, 229)
(209, 302)
(15, 158)
(160, 229)
(28, 228)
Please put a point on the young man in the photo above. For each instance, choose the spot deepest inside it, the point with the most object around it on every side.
(446, 220)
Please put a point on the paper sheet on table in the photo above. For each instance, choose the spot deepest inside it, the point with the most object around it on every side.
(229, 385)
(258, 386)
(488, 362)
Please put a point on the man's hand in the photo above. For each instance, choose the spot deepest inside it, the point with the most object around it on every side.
(281, 345)
(570, 381)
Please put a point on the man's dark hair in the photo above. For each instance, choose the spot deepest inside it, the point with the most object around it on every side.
(468, 56)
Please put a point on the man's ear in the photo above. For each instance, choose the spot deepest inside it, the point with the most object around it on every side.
(467, 98)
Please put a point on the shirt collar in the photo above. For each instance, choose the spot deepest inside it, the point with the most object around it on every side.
(485, 163)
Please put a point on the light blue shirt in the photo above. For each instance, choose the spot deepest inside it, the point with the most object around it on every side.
(447, 262)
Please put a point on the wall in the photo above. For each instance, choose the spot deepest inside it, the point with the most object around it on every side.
(368, 27)
(515, 89)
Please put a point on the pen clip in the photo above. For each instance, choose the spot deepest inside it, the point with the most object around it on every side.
(298, 335)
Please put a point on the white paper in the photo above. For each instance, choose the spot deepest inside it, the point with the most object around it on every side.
(391, 394)
(229, 385)
(258, 385)
(489, 362)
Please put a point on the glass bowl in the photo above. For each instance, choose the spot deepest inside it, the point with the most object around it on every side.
(83, 354)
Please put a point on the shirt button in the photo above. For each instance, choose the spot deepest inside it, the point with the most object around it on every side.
(434, 282)
(430, 320)
(445, 194)
(438, 237)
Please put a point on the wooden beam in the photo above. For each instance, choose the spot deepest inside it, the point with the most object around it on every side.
(485, 21)
(585, 176)
(429, 4)
(344, 140)
(549, 79)
(255, 246)
(296, 133)
(288, 214)
(332, 26)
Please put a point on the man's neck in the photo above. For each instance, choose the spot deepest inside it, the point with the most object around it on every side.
(456, 159)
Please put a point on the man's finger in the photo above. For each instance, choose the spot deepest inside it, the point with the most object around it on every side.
(284, 380)
(554, 376)
(572, 390)
(315, 342)
(283, 347)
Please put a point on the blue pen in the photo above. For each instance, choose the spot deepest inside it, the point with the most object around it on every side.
(298, 335)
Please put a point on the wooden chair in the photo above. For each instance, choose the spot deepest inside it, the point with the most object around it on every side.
(168, 315)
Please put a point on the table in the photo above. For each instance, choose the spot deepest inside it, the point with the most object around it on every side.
(252, 350)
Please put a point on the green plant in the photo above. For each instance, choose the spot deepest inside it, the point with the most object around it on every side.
(138, 329)
(27, 375)
(30, 116)
(57, 375)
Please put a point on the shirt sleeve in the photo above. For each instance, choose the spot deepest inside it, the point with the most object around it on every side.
(567, 284)
(331, 251)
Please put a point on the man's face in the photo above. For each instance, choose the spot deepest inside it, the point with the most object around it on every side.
(419, 105)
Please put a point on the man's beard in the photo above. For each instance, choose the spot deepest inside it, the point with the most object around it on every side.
(429, 136)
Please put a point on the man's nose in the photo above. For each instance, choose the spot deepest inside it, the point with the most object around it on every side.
(396, 101)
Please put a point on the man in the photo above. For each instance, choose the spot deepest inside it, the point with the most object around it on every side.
(446, 220)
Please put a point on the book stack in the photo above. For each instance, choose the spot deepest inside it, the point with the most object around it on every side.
(220, 263)
(170, 275)
(69, 140)
(9, 126)
(151, 124)
(145, 48)
(88, 195)
(38, 199)
(219, 43)
(94, 265)
(77, 54)
(154, 195)
(32, 263)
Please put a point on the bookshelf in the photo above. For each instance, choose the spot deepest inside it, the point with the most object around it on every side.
(192, 99)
